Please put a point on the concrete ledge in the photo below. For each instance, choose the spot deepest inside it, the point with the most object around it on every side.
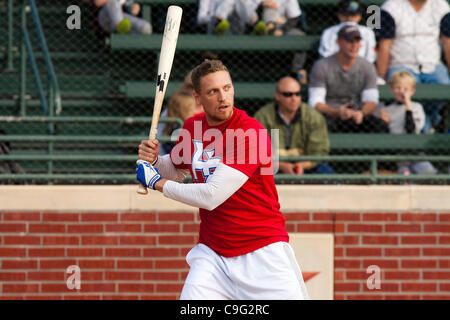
(292, 198)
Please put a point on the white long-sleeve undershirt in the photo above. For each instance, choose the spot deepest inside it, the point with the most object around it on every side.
(209, 195)
(167, 169)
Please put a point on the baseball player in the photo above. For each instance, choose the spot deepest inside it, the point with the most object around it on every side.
(243, 250)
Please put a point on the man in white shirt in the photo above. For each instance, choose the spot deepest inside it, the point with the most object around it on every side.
(409, 40)
(349, 13)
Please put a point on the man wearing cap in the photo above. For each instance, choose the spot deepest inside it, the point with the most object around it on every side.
(349, 13)
(343, 87)
(409, 40)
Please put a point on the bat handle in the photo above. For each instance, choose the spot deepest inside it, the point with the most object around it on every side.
(142, 189)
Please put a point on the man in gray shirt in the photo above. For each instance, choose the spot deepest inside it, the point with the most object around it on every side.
(343, 87)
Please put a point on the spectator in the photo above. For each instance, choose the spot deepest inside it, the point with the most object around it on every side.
(349, 13)
(234, 16)
(409, 40)
(302, 130)
(8, 166)
(343, 87)
(405, 116)
(120, 16)
(281, 17)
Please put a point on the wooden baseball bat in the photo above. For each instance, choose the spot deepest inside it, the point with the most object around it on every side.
(166, 55)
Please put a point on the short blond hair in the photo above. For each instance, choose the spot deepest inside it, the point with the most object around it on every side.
(203, 69)
(402, 76)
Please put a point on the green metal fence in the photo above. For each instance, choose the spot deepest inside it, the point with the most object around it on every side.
(74, 104)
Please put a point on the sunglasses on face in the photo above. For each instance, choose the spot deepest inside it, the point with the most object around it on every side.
(290, 94)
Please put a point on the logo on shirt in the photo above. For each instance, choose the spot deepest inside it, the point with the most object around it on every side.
(203, 162)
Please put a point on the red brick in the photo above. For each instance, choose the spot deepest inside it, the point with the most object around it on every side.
(120, 297)
(120, 275)
(137, 240)
(402, 297)
(445, 228)
(43, 297)
(339, 297)
(161, 275)
(12, 227)
(357, 275)
(291, 227)
(42, 276)
(99, 217)
(143, 216)
(82, 297)
(338, 252)
(435, 275)
(191, 227)
(339, 228)
(158, 227)
(403, 228)
(444, 217)
(382, 263)
(19, 264)
(339, 275)
(85, 228)
(419, 264)
(418, 217)
(361, 252)
(97, 287)
(11, 297)
(99, 240)
(136, 287)
(402, 251)
(365, 297)
(346, 240)
(56, 264)
(92, 275)
(123, 252)
(12, 276)
(55, 287)
(444, 263)
(436, 251)
(347, 263)
(436, 297)
(96, 264)
(444, 239)
(365, 228)
(21, 216)
(419, 240)
(418, 287)
(84, 252)
(348, 217)
(171, 264)
(176, 239)
(377, 240)
(13, 252)
(169, 287)
(161, 252)
(46, 252)
(72, 217)
(123, 227)
(444, 287)
(21, 240)
(20, 288)
(315, 227)
(385, 287)
(47, 228)
(380, 217)
(323, 216)
(135, 264)
(296, 216)
(61, 240)
(347, 287)
(401, 275)
(160, 297)
(175, 216)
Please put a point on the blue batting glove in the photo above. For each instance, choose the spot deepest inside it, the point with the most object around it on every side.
(147, 174)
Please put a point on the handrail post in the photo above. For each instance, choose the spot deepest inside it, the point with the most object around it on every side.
(23, 63)
(9, 62)
(373, 170)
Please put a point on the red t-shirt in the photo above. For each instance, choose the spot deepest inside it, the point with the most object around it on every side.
(251, 217)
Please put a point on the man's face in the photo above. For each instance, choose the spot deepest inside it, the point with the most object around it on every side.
(351, 48)
(288, 95)
(216, 96)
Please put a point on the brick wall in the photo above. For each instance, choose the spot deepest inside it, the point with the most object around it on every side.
(142, 255)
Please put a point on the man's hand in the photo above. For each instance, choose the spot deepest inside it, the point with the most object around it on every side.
(384, 115)
(287, 167)
(345, 112)
(147, 174)
(148, 150)
(357, 116)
